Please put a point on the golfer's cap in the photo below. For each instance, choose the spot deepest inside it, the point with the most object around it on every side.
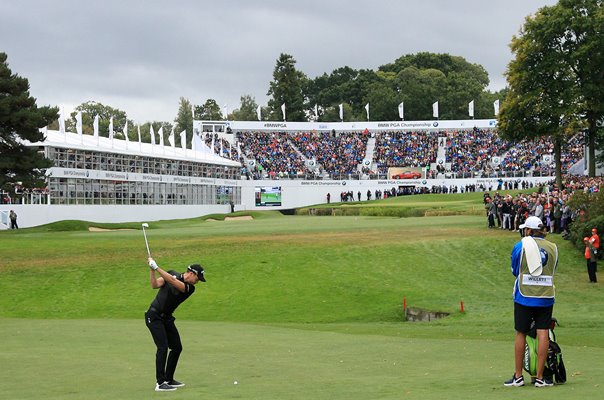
(197, 270)
(532, 223)
(594, 230)
(585, 238)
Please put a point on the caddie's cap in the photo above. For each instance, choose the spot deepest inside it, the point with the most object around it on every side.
(197, 270)
(532, 223)
(585, 238)
(594, 230)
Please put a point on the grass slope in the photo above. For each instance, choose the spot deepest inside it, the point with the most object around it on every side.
(294, 307)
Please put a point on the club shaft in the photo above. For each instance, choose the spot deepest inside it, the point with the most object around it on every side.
(146, 242)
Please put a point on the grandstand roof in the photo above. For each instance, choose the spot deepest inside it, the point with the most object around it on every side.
(103, 144)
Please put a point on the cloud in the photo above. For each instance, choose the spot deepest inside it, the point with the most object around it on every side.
(142, 56)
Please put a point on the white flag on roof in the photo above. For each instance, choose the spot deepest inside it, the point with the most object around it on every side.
(61, 120)
(435, 110)
(171, 138)
(79, 123)
(126, 131)
(401, 110)
(152, 133)
(161, 135)
(95, 125)
(111, 128)
(183, 139)
(283, 110)
(496, 106)
(471, 109)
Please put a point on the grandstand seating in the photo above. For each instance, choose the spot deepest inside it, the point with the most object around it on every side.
(468, 153)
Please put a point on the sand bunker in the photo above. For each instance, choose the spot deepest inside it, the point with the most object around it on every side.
(241, 218)
(96, 229)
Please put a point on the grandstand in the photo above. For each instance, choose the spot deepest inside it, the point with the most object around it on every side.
(110, 180)
(301, 151)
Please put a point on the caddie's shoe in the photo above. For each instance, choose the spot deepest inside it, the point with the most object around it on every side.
(175, 383)
(543, 382)
(164, 387)
(515, 381)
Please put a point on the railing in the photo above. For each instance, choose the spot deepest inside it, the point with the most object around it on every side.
(382, 176)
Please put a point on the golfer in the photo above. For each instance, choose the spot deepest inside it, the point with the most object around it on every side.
(174, 288)
(534, 262)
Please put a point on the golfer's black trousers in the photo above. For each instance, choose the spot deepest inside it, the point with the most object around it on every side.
(166, 336)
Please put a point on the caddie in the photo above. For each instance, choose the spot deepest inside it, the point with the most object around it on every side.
(534, 261)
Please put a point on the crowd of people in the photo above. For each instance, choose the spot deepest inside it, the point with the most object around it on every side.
(469, 152)
(409, 149)
(549, 203)
(334, 153)
(273, 153)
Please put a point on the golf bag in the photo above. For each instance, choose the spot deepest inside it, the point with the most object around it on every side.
(554, 365)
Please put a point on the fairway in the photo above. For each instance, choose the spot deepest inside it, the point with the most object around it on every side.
(295, 307)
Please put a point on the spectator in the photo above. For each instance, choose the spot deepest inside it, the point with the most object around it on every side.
(591, 257)
(13, 220)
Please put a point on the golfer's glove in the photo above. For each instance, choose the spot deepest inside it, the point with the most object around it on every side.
(153, 264)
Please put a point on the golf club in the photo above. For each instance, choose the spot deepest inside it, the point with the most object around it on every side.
(146, 225)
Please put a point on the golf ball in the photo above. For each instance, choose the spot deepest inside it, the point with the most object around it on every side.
(235, 382)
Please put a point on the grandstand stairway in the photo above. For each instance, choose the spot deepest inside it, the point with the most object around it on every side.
(311, 164)
(441, 158)
(368, 155)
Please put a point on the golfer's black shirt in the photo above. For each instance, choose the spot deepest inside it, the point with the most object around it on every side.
(168, 297)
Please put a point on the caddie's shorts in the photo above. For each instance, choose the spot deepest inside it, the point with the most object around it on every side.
(524, 317)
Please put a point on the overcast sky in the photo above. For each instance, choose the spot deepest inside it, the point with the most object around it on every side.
(142, 56)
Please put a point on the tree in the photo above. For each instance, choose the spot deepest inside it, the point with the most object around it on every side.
(556, 80)
(209, 111)
(343, 85)
(287, 88)
(419, 89)
(247, 111)
(20, 119)
(184, 120)
(483, 107)
(383, 103)
(423, 78)
(90, 109)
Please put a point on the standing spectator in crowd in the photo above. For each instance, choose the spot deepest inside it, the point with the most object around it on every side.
(595, 240)
(506, 207)
(538, 212)
(491, 212)
(534, 261)
(328, 198)
(368, 194)
(566, 217)
(522, 214)
(557, 216)
(592, 261)
(498, 200)
(13, 219)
